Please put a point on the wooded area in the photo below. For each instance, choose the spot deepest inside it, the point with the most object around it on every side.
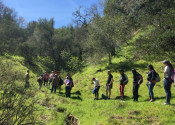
(133, 29)
(100, 31)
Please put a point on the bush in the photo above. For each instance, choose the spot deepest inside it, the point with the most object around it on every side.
(75, 64)
(15, 107)
(47, 61)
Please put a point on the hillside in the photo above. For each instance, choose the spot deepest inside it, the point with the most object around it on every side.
(53, 109)
(128, 112)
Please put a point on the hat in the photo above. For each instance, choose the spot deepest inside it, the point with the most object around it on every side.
(166, 62)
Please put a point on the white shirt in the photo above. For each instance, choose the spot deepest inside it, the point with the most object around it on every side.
(167, 72)
(96, 83)
(67, 82)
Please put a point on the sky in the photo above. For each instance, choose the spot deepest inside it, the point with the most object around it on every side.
(60, 10)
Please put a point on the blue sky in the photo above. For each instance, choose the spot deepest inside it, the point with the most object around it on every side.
(60, 10)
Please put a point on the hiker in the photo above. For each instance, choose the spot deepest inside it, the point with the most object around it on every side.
(60, 83)
(151, 76)
(68, 75)
(137, 80)
(123, 81)
(55, 83)
(109, 84)
(40, 81)
(168, 72)
(68, 83)
(51, 77)
(96, 88)
(27, 77)
(46, 78)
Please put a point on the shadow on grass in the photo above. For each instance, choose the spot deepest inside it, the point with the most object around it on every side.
(158, 98)
(126, 66)
(73, 93)
(77, 98)
(125, 97)
(76, 93)
(118, 97)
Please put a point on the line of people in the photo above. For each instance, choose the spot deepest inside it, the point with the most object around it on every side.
(56, 82)
(152, 78)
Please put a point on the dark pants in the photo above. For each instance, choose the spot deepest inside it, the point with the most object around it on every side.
(68, 90)
(96, 91)
(150, 88)
(26, 85)
(45, 82)
(122, 90)
(135, 91)
(167, 87)
(54, 88)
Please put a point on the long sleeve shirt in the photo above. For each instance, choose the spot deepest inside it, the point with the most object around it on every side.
(151, 76)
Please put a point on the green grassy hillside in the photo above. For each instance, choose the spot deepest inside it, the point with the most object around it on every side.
(128, 112)
(53, 109)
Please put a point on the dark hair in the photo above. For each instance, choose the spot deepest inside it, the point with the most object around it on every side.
(93, 78)
(121, 70)
(134, 70)
(171, 66)
(151, 67)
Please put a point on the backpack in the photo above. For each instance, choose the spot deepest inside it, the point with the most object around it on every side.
(157, 79)
(139, 78)
(103, 96)
(173, 75)
(93, 92)
(125, 79)
(72, 84)
(39, 80)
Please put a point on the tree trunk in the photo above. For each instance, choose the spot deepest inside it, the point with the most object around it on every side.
(110, 58)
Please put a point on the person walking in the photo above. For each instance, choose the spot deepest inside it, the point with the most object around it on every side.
(151, 76)
(27, 77)
(72, 83)
(109, 84)
(123, 81)
(68, 86)
(40, 81)
(55, 83)
(137, 80)
(168, 72)
(51, 77)
(60, 83)
(46, 78)
(96, 88)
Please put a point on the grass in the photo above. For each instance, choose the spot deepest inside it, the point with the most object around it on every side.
(53, 109)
